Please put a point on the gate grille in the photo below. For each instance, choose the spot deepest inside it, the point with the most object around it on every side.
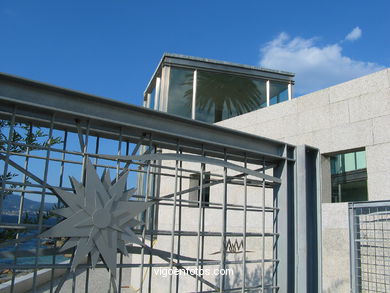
(370, 246)
(251, 189)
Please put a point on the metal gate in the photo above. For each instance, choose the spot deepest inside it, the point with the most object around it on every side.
(370, 246)
(154, 202)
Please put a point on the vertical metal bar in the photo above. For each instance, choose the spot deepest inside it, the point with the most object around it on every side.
(301, 221)
(223, 235)
(117, 178)
(73, 282)
(290, 94)
(10, 135)
(42, 204)
(244, 228)
(120, 273)
(180, 221)
(96, 161)
(194, 84)
(58, 201)
(151, 228)
(375, 253)
(24, 182)
(352, 243)
(85, 157)
(146, 222)
(21, 206)
(383, 252)
(368, 251)
(85, 150)
(263, 234)
(127, 153)
(97, 148)
(203, 238)
(202, 168)
(173, 220)
(283, 278)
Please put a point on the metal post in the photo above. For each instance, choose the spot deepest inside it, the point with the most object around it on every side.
(244, 229)
(283, 274)
(223, 235)
(173, 220)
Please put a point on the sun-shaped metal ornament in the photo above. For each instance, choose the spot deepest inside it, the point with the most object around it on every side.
(99, 218)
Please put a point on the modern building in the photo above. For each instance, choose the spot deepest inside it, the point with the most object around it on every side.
(347, 122)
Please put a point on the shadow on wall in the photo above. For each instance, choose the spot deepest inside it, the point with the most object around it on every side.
(336, 287)
(252, 278)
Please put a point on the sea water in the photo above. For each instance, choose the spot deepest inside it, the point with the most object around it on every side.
(29, 245)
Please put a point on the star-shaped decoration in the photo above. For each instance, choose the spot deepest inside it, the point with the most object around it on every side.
(99, 218)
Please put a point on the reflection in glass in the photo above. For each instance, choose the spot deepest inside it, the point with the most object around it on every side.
(151, 97)
(220, 96)
(278, 92)
(349, 177)
(347, 162)
(180, 92)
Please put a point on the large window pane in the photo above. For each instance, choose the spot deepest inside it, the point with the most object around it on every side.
(180, 92)
(220, 96)
(152, 94)
(361, 160)
(349, 177)
(278, 92)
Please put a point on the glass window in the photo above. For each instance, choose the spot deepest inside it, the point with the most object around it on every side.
(278, 92)
(220, 96)
(152, 94)
(180, 92)
(349, 177)
(347, 162)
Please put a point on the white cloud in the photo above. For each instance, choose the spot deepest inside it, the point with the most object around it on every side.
(355, 34)
(316, 67)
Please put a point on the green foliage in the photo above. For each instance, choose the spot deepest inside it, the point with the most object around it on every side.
(23, 136)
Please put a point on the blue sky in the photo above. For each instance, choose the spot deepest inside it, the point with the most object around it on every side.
(111, 48)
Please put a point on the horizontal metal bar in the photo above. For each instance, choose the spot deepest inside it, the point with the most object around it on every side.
(124, 265)
(69, 105)
(14, 226)
(247, 289)
(369, 204)
(196, 159)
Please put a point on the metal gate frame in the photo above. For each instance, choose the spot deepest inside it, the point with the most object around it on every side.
(297, 196)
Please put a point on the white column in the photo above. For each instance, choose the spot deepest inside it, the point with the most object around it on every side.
(157, 94)
(194, 82)
(289, 91)
(268, 92)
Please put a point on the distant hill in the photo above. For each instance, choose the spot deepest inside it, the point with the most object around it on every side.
(11, 205)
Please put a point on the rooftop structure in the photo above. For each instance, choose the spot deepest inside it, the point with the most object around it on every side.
(211, 91)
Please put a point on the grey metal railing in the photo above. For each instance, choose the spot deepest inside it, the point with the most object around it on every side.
(255, 198)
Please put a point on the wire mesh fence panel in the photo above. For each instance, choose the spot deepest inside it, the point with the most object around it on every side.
(370, 246)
